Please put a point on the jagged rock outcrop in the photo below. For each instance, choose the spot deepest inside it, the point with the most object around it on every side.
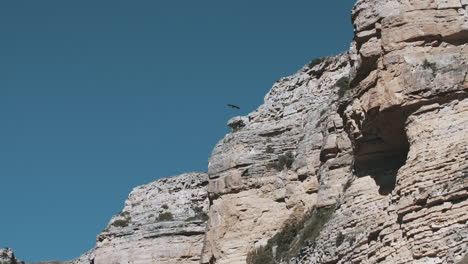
(162, 222)
(407, 119)
(265, 173)
(8, 257)
(391, 161)
(358, 158)
(407, 116)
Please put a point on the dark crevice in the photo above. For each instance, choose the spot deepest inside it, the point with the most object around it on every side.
(274, 133)
(241, 165)
(212, 260)
(302, 177)
(373, 236)
(383, 148)
(367, 65)
(204, 183)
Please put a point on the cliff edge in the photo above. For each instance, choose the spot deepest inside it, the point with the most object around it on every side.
(357, 158)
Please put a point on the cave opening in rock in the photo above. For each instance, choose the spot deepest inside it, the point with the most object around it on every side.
(383, 148)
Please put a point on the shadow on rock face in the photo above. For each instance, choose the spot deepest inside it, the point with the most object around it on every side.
(383, 149)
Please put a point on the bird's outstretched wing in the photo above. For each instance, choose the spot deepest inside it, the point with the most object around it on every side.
(233, 106)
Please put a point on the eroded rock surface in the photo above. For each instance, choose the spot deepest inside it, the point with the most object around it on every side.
(8, 257)
(390, 160)
(265, 173)
(407, 118)
(358, 158)
(162, 222)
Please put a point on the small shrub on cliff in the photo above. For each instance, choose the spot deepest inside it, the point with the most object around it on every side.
(124, 214)
(285, 160)
(269, 149)
(121, 222)
(165, 206)
(164, 217)
(199, 215)
(343, 86)
(316, 62)
(292, 238)
(429, 65)
(260, 256)
(339, 239)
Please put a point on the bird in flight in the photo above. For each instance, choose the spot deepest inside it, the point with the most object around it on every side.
(233, 106)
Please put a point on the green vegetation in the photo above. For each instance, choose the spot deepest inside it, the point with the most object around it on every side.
(199, 215)
(121, 222)
(164, 217)
(269, 149)
(292, 238)
(125, 214)
(339, 239)
(316, 62)
(343, 86)
(164, 206)
(237, 125)
(429, 65)
(260, 256)
(285, 160)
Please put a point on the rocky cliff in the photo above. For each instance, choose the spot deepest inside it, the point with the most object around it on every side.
(8, 257)
(162, 222)
(358, 158)
(376, 140)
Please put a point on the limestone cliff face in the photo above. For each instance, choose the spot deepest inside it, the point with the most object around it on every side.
(388, 161)
(358, 158)
(162, 222)
(264, 174)
(407, 116)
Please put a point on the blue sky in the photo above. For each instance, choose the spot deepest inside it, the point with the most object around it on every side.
(97, 97)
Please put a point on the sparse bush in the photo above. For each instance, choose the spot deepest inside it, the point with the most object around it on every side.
(269, 149)
(199, 215)
(285, 160)
(260, 256)
(165, 206)
(313, 226)
(124, 214)
(339, 239)
(316, 62)
(121, 222)
(343, 86)
(352, 239)
(292, 238)
(429, 65)
(164, 217)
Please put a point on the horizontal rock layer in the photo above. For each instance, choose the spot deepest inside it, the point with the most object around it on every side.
(358, 158)
(162, 222)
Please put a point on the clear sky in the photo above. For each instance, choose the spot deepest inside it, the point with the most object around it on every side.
(100, 96)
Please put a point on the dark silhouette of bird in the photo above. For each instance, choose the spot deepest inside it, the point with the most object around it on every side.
(233, 106)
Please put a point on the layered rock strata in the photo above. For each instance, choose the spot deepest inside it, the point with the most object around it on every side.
(358, 158)
(265, 173)
(407, 117)
(162, 222)
(391, 161)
